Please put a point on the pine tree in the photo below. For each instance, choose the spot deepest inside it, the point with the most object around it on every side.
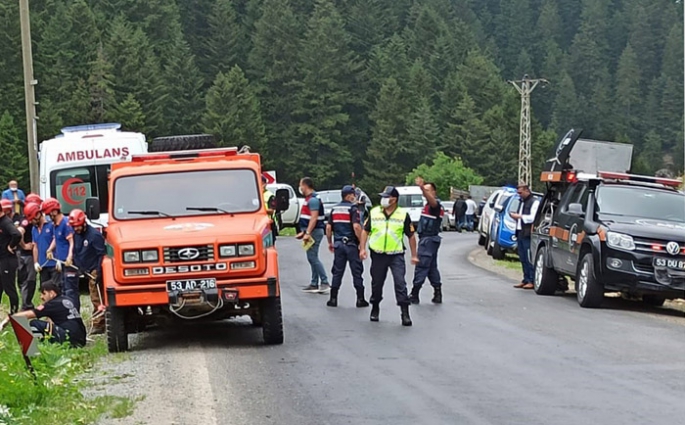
(513, 33)
(566, 105)
(481, 79)
(423, 133)
(233, 113)
(627, 97)
(183, 85)
(652, 154)
(101, 84)
(227, 39)
(465, 133)
(129, 113)
(12, 152)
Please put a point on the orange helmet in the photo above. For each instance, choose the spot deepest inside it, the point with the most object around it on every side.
(31, 211)
(50, 205)
(33, 198)
(6, 204)
(77, 218)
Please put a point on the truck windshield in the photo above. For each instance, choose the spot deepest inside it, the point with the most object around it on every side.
(641, 202)
(72, 186)
(234, 191)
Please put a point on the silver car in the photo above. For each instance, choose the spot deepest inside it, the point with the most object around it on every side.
(448, 222)
(331, 198)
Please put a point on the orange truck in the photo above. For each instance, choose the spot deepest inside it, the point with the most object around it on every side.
(189, 238)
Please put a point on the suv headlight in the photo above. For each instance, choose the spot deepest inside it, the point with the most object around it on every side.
(245, 250)
(131, 256)
(620, 241)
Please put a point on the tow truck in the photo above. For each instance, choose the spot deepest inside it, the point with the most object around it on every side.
(189, 238)
(608, 232)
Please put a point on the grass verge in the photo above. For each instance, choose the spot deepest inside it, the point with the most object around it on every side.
(288, 231)
(511, 261)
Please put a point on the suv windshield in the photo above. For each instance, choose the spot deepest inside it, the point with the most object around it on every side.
(641, 202)
(410, 201)
(234, 191)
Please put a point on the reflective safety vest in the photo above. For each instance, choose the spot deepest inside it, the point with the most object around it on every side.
(267, 195)
(387, 233)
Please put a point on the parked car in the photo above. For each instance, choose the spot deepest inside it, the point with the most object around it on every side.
(448, 222)
(485, 223)
(412, 200)
(291, 216)
(503, 230)
(331, 198)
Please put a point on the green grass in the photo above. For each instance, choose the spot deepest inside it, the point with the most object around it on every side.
(288, 231)
(56, 394)
(511, 261)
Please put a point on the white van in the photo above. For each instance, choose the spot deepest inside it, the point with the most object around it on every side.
(75, 165)
(412, 200)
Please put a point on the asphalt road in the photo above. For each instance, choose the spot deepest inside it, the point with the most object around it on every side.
(489, 355)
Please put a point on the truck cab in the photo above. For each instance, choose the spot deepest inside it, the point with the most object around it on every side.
(189, 238)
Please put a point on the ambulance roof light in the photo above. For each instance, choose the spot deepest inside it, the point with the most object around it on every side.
(179, 155)
(646, 179)
(91, 127)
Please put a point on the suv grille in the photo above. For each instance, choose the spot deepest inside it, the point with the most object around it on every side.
(182, 254)
(655, 246)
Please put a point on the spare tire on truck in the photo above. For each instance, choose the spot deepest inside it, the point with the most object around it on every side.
(182, 143)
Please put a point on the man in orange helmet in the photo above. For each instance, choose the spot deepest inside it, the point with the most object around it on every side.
(9, 242)
(89, 250)
(62, 248)
(26, 273)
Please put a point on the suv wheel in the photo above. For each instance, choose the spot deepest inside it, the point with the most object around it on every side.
(481, 240)
(272, 321)
(497, 251)
(546, 278)
(488, 246)
(654, 300)
(590, 292)
(117, 336)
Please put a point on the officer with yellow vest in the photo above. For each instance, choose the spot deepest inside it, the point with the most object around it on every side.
(269, 199)
(384, 229)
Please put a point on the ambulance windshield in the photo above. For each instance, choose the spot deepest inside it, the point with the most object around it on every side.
(232, 190)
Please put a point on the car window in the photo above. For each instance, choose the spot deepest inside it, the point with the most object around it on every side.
(503, 198)
(330, 197)
(641, 203)
(515, 204)
(72, 186)
(410, 201)
(572, 195)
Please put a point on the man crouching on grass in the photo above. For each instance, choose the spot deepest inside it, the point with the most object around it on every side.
(64, 322)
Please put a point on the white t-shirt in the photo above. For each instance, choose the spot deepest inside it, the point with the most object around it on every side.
(471, 207)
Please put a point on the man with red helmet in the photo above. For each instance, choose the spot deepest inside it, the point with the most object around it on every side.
(9, 242)
(62, 247)
(26, 273)
(42, 234)
(89, 250)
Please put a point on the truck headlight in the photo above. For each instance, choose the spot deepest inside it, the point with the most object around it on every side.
(150, 255)
(227, 251)
(245, 250)
(620, 241)
(131, 256)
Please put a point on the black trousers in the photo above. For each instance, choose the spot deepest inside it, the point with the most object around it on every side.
(50, 273)
(380, 264)
(27, 280)
(8, 281)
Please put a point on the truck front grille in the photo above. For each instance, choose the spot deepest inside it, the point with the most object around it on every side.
(182, 254)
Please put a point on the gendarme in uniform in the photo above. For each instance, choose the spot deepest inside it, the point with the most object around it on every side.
(429, 242)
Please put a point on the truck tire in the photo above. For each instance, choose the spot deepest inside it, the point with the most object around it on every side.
(497, 251)
(590, 292)
(272, 321)
(481, 240)
(117, 337)
(182, 143)
(546, 279)
(653, 300)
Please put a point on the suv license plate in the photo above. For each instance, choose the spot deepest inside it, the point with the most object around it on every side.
(185, 285)
(669, 263)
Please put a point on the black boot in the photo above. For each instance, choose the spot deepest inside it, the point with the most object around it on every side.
(375, 313)
(414, 296)
(437, 296)
(406, 320)
(361, 302)
(333, 302)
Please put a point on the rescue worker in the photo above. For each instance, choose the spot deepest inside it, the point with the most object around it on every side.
(64, 324)
(429, 243)
(384, 230)
(89, 250)
(312, 225)
(10, 237)
(26, 272)
(62, 249)
(269, 200)
(343, 232)
(43, 234)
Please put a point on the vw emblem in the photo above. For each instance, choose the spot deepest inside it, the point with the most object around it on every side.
(673, 248)
(188, 253)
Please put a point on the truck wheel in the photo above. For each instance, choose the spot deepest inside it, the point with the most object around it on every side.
(481, 240)
(272, 321)
(117, 337)
(546, 279)
(590, 292)
(497, 251)
(182, 143)
(654, 300)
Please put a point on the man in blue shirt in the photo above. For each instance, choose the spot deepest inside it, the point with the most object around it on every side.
(43, 234)
(62, 248)
(16, 195)
(89, 250)
(312, 224)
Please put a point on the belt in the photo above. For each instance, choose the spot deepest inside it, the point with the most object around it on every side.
(348, 241)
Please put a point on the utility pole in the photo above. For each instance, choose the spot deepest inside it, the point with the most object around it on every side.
(525, 87)
(29, 94)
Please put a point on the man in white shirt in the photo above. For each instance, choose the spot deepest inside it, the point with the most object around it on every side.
(471, 208)
(524, 227)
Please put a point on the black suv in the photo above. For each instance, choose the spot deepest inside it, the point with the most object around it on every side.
(612, 232)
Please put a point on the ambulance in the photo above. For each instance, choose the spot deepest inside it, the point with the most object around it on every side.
(75, 165)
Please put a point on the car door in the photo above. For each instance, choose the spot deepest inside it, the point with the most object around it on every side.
(566, 229)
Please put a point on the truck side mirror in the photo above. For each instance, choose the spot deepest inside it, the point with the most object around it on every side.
(93, 208)
(282, 200)
(576, 210)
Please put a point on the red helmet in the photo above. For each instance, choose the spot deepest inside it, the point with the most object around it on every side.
(50, 205)
(77, 218)
(33, 198)
(31, 211)
(6, 204)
